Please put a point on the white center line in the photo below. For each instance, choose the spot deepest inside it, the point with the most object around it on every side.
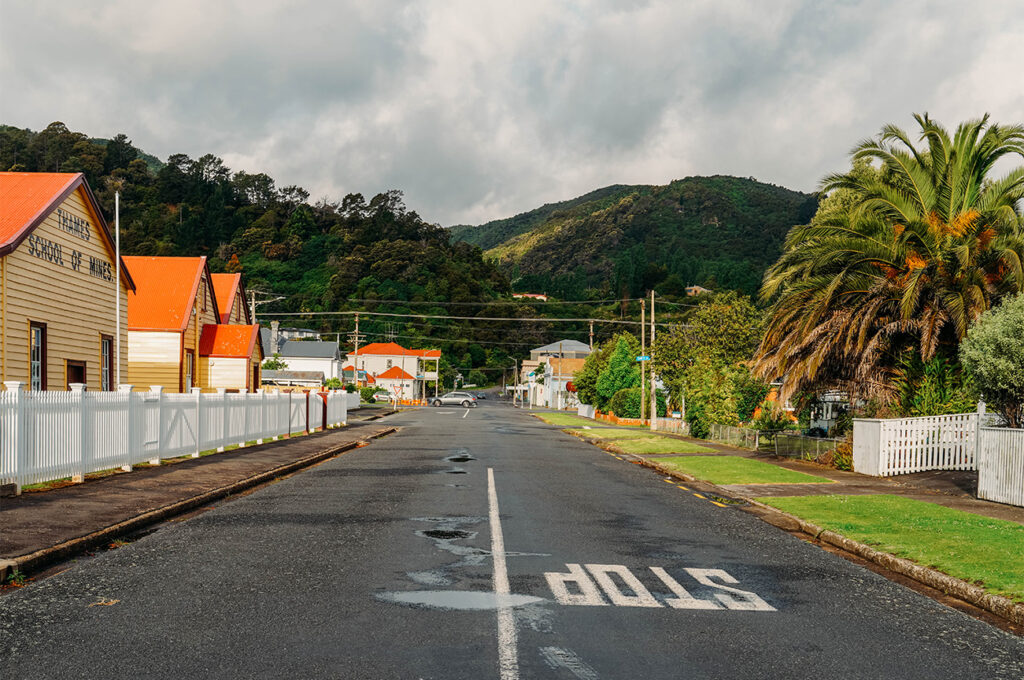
(466, 413)
(508, 662)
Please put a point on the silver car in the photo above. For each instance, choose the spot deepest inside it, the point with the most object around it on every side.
(464, 399)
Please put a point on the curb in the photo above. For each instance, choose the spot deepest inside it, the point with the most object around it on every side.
(34, 561)
(968, 592)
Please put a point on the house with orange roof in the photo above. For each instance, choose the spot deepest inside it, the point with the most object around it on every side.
(230, 294)
(175, 335)
(59, 290)
(418, 366)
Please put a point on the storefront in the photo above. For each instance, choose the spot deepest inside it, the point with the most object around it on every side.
(58, 293)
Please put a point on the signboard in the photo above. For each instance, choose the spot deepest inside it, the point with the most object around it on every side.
(643, 357)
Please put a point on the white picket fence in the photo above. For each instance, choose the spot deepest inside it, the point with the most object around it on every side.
(905, 445)
(1001, 465)
(52, 435)
(960, 441)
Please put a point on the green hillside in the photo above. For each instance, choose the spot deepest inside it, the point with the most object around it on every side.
(720, 232)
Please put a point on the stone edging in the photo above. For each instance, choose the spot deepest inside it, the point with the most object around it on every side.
(40, 558)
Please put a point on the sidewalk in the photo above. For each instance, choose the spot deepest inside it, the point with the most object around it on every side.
(37, 528)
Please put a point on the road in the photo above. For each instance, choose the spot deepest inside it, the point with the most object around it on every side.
(482, 544)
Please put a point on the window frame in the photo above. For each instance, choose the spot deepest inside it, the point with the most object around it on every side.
(107, 363)
(41, 327)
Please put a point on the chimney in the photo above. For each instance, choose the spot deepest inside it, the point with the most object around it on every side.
(274, 345)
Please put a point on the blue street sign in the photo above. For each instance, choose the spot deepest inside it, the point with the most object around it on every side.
(643, 357)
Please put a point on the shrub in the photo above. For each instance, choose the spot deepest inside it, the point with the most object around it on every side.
(477, 377)
(626, 403)
(993, 356)
(366, 394)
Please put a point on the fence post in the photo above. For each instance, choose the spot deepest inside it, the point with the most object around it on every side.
(977, 434)
(129, 431)
(18, 436)
(222, 392)
(198, 392)
(78, 398)
(307, 411)
(261, 428)
(246, 428)
(157, 391)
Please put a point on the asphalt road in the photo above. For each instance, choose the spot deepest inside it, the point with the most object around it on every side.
(482, 544)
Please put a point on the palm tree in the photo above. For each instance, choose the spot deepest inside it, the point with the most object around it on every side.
(906, 254)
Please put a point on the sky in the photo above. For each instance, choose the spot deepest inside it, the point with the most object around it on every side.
(479, 110)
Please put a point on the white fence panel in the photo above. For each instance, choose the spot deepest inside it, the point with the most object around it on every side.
(585, 410)
(351, 400)
(1001, 465)
(51, 435)
(906, 445)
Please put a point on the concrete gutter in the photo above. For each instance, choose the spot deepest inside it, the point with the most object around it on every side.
(968, 592)
(32, 562)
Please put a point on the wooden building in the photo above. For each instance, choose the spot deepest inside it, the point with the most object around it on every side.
(58, 293)
(230, 356)
(230, 294)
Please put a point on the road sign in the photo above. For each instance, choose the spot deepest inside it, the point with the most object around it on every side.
(643, 357)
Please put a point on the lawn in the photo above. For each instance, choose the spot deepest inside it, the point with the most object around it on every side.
(640, 442)
(733, 470)
(566, 420)
(958, 543)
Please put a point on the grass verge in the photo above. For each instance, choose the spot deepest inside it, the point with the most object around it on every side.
(631, 441)
(733, 470)
(982, 550)
(568, 420)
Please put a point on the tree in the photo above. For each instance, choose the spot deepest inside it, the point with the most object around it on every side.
(274, 363)
(915, 250)
(993, 355)
(621, 371)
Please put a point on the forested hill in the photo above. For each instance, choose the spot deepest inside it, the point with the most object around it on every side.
(719, 232)
(314, 255)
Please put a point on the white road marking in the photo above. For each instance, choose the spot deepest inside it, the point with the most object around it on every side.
(560, 657)
(508, 662)
(466, 413)
(682, 599)
(589, 594)
(748, 602)
(641, 597)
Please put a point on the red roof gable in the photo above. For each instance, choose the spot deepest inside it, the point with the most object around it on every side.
(394, 349)
(225, 287)
(395, 373)
(27, 198)
(167, 288)
(224, 340)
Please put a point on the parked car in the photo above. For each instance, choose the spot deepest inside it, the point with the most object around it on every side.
(455, 399)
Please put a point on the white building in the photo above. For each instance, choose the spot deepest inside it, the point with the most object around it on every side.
(417, 366)
(307, 355)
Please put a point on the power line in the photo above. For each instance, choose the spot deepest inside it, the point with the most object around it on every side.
(462, 318)
(515, 301)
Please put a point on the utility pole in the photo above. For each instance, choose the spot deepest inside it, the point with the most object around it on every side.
(643, 348)
(654, 392)
(355, 360)
(591, 335)
(254, 303)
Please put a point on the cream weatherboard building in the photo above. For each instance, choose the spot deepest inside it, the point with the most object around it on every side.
(58, 293)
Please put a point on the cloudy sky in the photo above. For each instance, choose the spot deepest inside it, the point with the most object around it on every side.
(479, 110)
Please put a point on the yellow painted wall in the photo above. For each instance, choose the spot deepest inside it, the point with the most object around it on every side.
(76, 306)
(153, 359)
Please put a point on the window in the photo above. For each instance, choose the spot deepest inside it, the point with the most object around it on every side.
(190, 362)
(74, 372)
(106, 363)
(37, 356)
(389, 364)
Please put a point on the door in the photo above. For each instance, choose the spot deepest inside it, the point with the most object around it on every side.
(75, 372)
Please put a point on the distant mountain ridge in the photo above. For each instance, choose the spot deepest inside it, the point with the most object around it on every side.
(718, 231)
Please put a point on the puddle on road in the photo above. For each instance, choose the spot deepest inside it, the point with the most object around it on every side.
(462, 600)
(447, 534)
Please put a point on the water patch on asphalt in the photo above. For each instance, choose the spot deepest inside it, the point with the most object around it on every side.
(461, 600)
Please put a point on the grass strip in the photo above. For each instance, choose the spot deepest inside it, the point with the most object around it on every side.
(982, 550)
(735, 470)
(631, 441)
(568, 420)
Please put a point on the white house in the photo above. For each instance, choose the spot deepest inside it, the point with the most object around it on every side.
(309, 355)
(417, 366)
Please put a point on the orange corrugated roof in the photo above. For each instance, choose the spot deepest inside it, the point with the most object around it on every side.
(227, 340)
(225, 287)
(26, 198)
(394, 349)
(165, 291)
(395, 373)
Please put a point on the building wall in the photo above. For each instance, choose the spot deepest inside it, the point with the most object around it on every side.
(329, 367)
(154, 359)
(203, 312)
(70, 292)
(227, 372)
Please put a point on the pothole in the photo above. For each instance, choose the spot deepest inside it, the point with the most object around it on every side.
(460, 459)
(455, 472)
(446, 534)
